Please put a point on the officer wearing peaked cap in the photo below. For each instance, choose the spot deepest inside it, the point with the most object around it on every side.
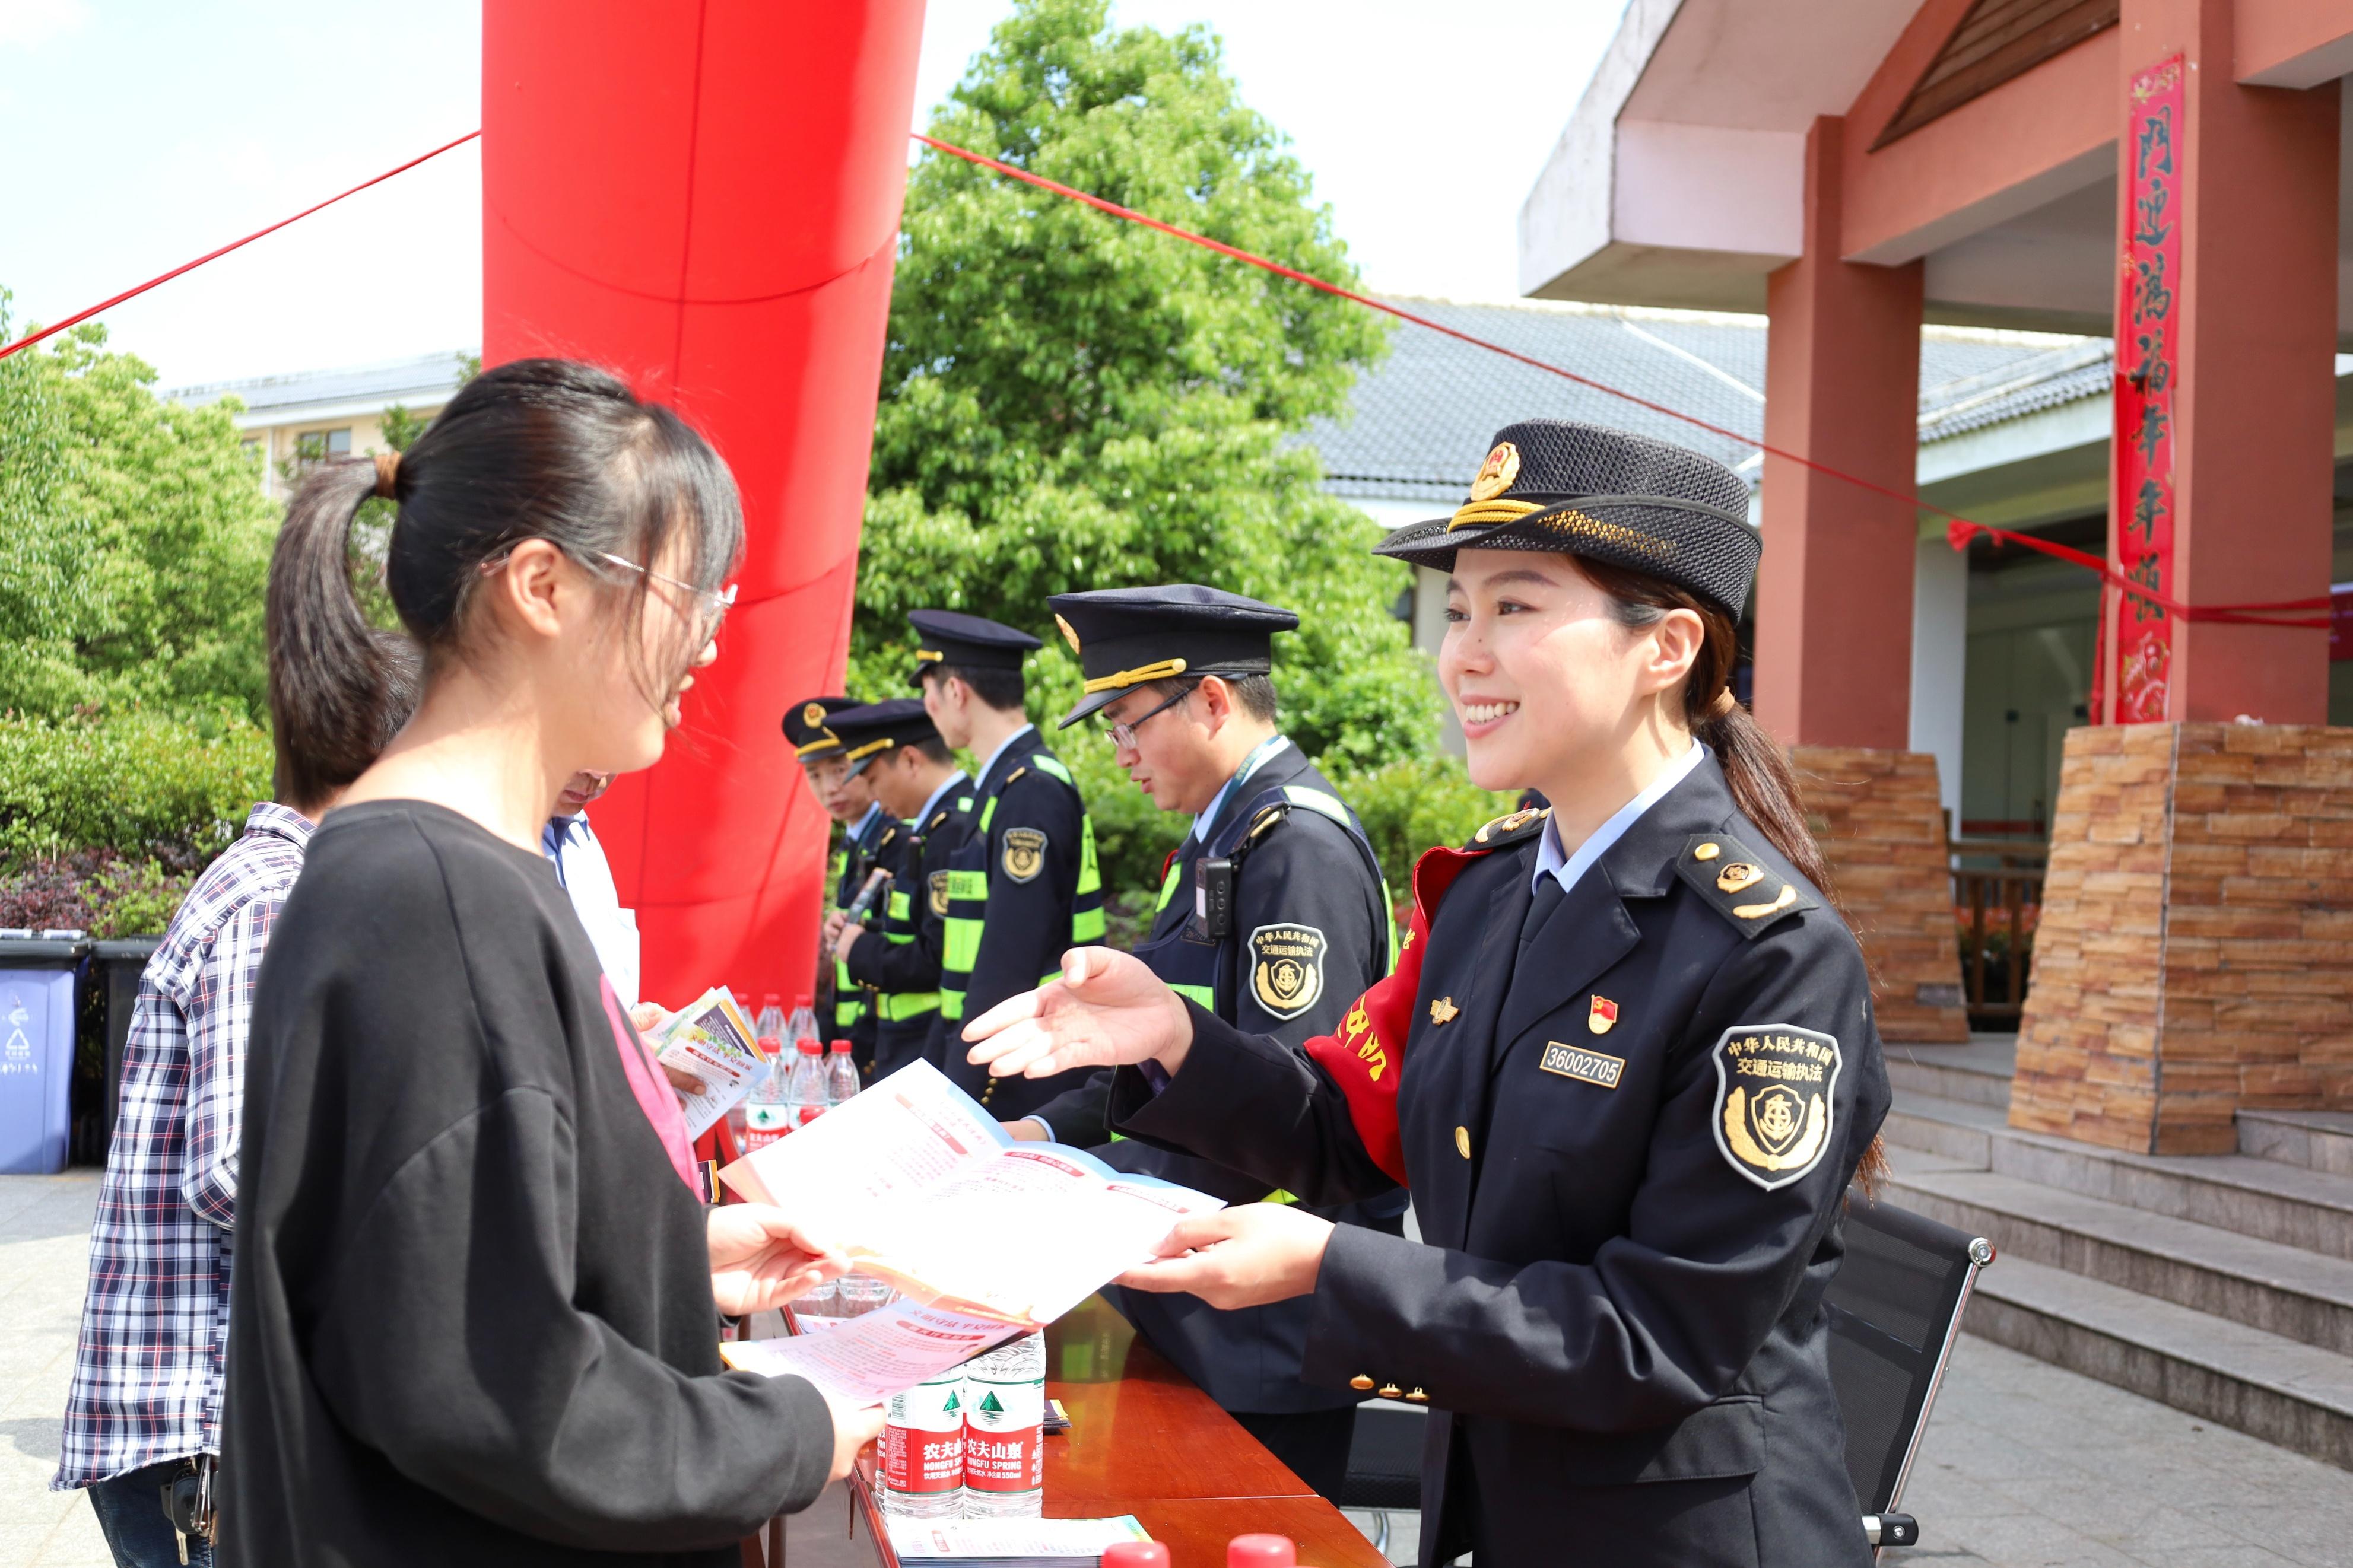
(1273, 914)
(1024, 886)
(1626, 1064)
(894, 747)
(849, 801)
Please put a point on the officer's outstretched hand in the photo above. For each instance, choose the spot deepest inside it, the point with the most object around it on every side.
(1107, 1010)
(1242, 1257)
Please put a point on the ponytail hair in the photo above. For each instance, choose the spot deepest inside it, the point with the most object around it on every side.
(340, 688)
(1763, 783)
(533, 450)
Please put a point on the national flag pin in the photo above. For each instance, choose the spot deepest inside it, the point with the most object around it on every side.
(1603, 1015)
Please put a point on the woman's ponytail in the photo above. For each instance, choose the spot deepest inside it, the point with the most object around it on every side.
(1762, 781)
(339, 689)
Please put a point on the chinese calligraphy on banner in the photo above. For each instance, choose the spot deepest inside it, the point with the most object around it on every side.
(2146, 312)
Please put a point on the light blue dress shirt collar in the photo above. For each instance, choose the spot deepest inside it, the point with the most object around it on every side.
(858, 830)
(1551, 861)
(1250, 765)
(939, 795)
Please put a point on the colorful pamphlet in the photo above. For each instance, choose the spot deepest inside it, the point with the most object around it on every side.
(922, 1188)
(711, 1038)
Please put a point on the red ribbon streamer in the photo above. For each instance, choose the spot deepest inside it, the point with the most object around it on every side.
(77, 319)
(1958, 533)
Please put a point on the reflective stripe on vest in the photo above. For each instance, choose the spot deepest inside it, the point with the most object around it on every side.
(896, 1009)
(969, 871)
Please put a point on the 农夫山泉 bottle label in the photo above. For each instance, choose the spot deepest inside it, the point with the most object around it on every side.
(923, 1437)
(1004, 1430)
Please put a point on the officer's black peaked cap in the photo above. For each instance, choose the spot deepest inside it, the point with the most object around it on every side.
(1128, 636)
(1612, 495)
(809, 726)
(976, 642)
(880, 728)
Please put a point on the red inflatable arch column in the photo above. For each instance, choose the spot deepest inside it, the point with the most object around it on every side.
(705, 198)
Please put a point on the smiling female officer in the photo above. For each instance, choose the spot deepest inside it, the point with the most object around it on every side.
(1626, 1063)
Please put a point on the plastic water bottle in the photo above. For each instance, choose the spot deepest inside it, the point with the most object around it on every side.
(767, 1113)
(840, 1073)
(922, 1449)
(1005, 1431)
(770, 1023)
(805, 1089)
(802, 1026)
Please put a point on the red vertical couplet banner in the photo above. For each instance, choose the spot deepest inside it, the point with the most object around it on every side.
(2148, 311)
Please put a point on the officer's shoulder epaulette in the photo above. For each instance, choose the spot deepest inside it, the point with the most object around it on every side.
(1737, 883)
(937, 817)
(890, 832)
(1507, 831)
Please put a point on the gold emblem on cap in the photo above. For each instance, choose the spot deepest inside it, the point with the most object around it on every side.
(1068, 635)
(1496, 474)
(813, 715)
(1738, 876)
(1706, 852)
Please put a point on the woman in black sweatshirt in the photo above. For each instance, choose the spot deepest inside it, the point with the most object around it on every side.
(476, 1312)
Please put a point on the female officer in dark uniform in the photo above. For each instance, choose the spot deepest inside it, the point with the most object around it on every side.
(1626, 1063)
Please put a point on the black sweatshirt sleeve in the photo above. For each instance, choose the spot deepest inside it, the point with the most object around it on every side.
(453, 1344)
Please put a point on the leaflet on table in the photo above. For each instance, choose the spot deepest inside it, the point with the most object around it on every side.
(921, 1186)
(867, 1359)
(711, 1038)
(1006, 1541)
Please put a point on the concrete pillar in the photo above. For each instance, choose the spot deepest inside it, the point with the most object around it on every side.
(1841, 386)
(2254, 378)
(1940, 653)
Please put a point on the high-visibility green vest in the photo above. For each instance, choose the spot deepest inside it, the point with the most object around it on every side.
(968, 876)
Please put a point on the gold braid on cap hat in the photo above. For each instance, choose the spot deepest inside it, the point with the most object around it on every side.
(387, 467)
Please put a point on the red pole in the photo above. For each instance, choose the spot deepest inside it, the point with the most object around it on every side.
(704, 195)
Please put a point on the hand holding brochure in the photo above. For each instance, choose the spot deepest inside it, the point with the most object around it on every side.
(921, 1186)
(711, 1038)
(868, 1359)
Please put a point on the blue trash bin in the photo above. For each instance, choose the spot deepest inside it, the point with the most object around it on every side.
(38, 977)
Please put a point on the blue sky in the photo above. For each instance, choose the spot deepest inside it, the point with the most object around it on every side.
(142, 132)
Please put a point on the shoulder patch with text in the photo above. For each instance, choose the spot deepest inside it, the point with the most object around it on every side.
(1286, 968)
(939, 891)
(1775, 1086)
(1025, 853)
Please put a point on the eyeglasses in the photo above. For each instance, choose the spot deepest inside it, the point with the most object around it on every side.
(1123, 735)
(711, 604)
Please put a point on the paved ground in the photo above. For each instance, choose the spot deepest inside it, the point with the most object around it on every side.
(2025, 1466)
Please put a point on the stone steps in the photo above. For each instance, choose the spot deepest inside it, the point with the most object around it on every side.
(2289, 1203)
(2220, 1284)
(2276, 1389)
(2285, 1290)
(2315, 1140)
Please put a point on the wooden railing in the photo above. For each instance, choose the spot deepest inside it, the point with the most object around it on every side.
(1997, 899)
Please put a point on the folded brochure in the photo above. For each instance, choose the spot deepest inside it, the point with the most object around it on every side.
(711, 1038)
(921, 1186)
(1009, 1543)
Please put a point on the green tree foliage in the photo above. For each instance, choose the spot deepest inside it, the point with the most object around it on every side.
(1074, 402)
(136, 542)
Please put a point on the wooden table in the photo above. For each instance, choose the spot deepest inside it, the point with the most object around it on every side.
(1144, 1441)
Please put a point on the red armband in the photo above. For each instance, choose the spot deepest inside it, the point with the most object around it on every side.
(1368, 1053)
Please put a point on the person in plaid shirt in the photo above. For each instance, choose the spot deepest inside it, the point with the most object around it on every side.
(146, 1395)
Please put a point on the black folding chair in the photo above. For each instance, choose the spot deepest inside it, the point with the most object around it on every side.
(1384, 1464)
(1896, 1309)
